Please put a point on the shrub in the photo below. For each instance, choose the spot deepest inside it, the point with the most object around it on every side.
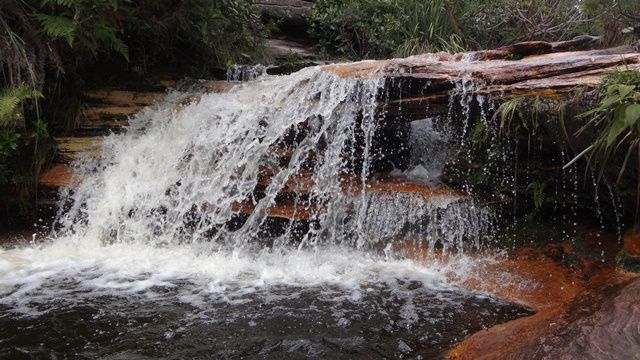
(490, 24)
(382, 28)
(611, 17)
(198, 34)
(616, 120)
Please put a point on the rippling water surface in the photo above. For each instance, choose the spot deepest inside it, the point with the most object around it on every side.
(128, 301)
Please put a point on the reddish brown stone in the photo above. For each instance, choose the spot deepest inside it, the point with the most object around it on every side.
(632, 243)
(528, 277)
(57, 176)
(601, 323)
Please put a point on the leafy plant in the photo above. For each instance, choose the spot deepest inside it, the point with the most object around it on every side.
(428, 26)
(537, 189)
(198, 34)
(610, 17)
(616, 121)
(520, 115)
(383, 28)
(11, 98)
(617, 116)
(490, 24)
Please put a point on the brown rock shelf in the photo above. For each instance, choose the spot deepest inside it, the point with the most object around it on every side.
(73, 148)
(59, 175)
(124, 98)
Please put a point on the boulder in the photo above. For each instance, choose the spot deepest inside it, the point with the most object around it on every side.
(601, 323)
(292, 12)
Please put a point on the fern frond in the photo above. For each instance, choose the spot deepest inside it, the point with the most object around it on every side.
(58, 27)
(8, 105)
(11, 98)
(108, 36)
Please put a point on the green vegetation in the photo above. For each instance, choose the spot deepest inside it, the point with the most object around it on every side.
(489, 24)
(537, 190)
(383, 28)
(23, 147)
(616, 122)
(610, 17)
(617, 118)
(193, 34)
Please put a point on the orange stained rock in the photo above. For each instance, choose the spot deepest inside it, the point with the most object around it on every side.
(549, 330)
(417, 252)
(217, 86)
(632, 243)
(499, 341)
(442, 70)
(400, 185)
(58, 176)
(529, 278)
(97, 112)
(71, 148)
(352, 185)
(289, 211)
(362, 69)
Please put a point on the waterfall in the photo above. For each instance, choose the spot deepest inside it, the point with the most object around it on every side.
(281, 201)
(182, 174)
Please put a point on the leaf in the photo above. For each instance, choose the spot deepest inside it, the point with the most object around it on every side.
(584, 152)
(108, 36)
(625, 90)
(617, 125)
(8, 104)
(65, 3)
(632, 114)
(608, 101)
(58, 27)
(10, 99)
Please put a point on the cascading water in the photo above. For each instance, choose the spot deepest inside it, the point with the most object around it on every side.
(246, 72)
(173, 221)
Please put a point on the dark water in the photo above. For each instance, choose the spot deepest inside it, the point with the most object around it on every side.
(379, 321)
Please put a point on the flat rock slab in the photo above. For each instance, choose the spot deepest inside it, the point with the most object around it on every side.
(283, 49)
(601, 322)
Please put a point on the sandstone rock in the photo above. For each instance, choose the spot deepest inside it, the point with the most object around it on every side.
(628, 258)
(601, 323)
(283, 49)
(291, 11)
(631, 243)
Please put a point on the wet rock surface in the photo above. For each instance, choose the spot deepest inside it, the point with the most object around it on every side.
(628, 258)
(600, 322)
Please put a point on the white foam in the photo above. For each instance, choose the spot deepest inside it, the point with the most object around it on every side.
(33, 276)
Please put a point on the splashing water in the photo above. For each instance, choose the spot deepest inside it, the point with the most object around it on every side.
(246, 72)
(177, 215)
